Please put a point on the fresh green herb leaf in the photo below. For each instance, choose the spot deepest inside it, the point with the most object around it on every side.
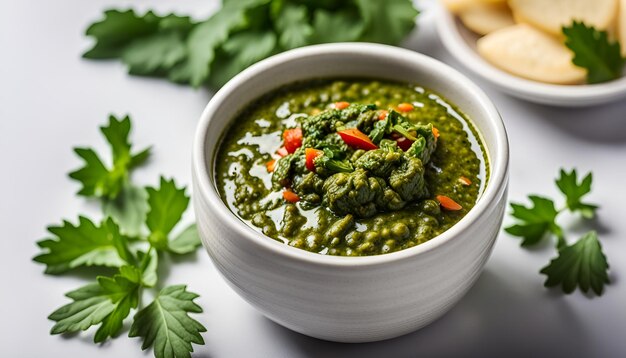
(148, 44)
(84, 244)
(333, 161)
(206, 37)
(155, 54)
(293, 26)
(594, 52)
(582, 264)
(342, 25)
(380, 129)
(167, 205)
(166, 325)
(123, 291)
(90, 307)
(122, 241)
(117, 30)
(99, 181)
(404, 132)
(149, 264)
(534, 221)
(186, 242)
(241, 33)
(160, 51)
(573, 191)
(129, 209)
(386, 21)
(337, 166)
(241, 50)
(108, 302)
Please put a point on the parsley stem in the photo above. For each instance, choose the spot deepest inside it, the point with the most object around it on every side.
(146, 259)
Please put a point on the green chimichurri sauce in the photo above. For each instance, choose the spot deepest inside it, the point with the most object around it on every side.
(351, 167)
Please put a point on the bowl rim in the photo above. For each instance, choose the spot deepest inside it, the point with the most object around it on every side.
(471, 60)
(204, 183)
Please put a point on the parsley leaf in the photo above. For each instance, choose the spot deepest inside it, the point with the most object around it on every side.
(293, 26)
(241, 33)
(386, 21)
(582, 264)
(123, 291)
(166, 325)
(593, 51)
(534, 222)
(129, 209)
(83, 245)
(336, 26)
(116, 30)
(568, 184)
(156, 54)
(167, 205)
(136, 229)
(108, 301)
(187, 241)
(149, 263)
(241, 51)
(205, 38)
(99, 181)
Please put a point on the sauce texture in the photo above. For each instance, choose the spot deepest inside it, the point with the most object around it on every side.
(295, 166)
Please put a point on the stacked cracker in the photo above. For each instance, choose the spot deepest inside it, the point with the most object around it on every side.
(524, 37)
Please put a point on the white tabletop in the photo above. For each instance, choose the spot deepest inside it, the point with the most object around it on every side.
(52, 100)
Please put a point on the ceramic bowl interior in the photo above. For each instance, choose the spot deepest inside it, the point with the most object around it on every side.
(333, 297)
(461, 43)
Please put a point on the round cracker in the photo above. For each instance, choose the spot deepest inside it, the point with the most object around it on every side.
(530, 53)
(552, 15)
(457, 6)
(485, 18)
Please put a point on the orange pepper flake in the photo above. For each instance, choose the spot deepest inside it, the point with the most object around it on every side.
(383, 114)
(270, 165)
(436, 133)
(448, 203)
(405, 107)
(341, 105)
(290, 196)
(465, 181)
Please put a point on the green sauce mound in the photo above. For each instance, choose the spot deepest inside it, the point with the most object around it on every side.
(350, 166)
(354, 181)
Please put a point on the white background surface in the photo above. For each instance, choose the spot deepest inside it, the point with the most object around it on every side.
(51, 100)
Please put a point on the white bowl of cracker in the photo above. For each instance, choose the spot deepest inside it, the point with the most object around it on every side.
(556, 52)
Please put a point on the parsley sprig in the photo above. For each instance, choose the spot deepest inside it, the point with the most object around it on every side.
(582, 264)
(594, 52)
(241, 33)
(140, 225)
(111, 184)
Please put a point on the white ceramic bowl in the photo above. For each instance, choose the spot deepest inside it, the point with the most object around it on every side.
(349, 299)
(461, 43)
